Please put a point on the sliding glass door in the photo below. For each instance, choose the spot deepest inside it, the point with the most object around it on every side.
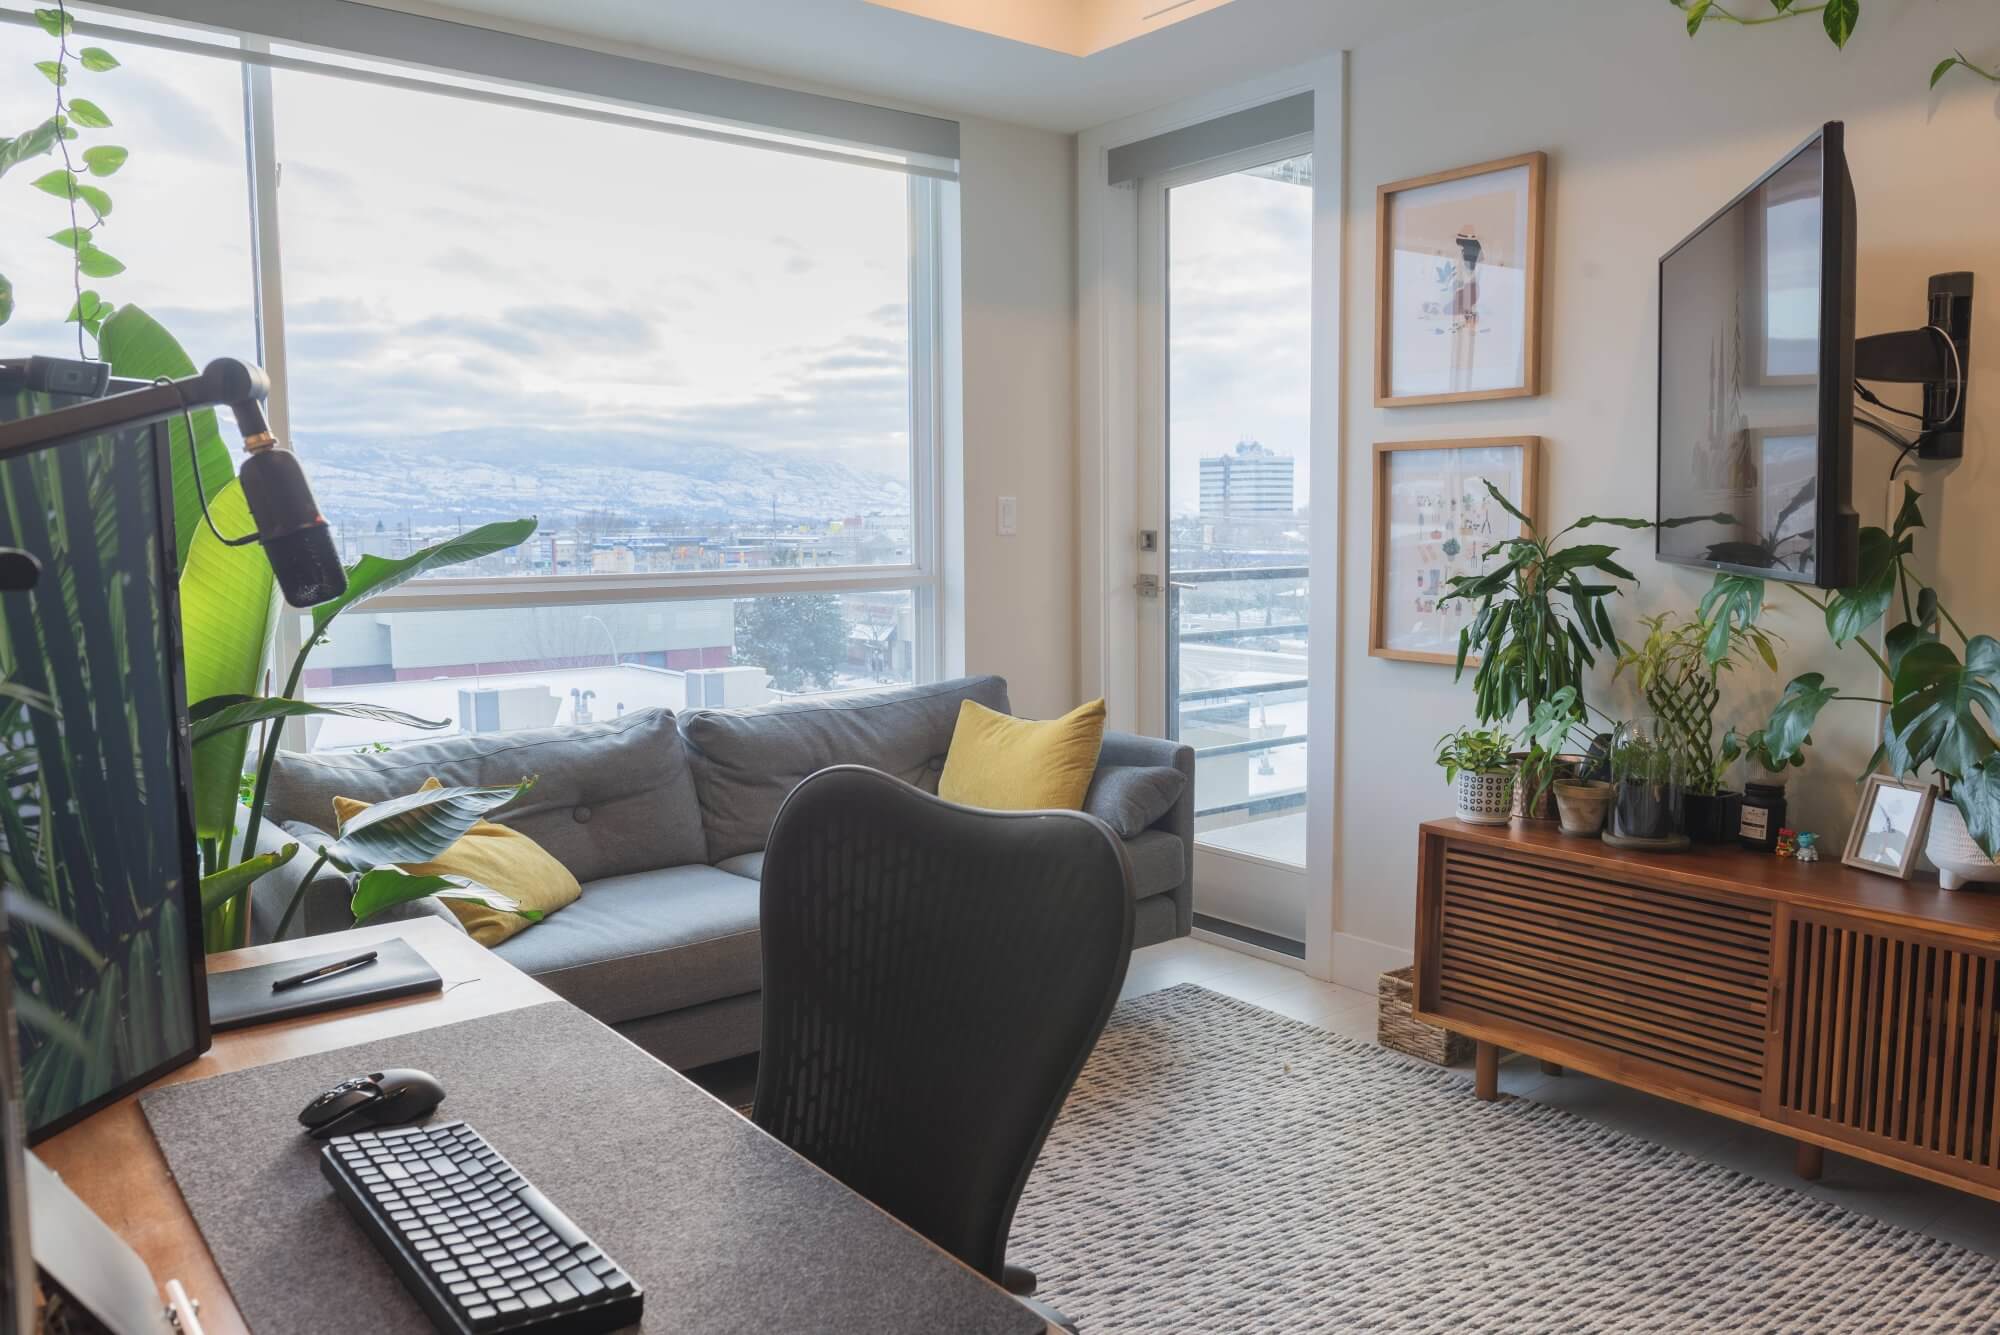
(1227, 255)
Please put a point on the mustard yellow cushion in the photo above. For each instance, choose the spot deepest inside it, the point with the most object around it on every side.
(1011, 764)
(499, 859)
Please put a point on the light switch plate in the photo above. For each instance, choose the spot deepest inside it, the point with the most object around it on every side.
(1010, 516)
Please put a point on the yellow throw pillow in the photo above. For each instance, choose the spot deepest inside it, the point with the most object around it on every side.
(499, 859)
(1011, 764)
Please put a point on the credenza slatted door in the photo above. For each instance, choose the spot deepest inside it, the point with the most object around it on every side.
(1677, 979)
(1897, 1039)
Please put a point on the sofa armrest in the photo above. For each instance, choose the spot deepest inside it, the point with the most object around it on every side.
(327, 896)
(326, 906)
(1125, 748)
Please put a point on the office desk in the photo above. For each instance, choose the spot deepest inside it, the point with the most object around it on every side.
(113, 1163)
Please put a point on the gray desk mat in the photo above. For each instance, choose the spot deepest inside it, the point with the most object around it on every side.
(724, 1228)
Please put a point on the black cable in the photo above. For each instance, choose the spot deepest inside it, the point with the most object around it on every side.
(1869, 395)
(1905, 453)
(194, 459)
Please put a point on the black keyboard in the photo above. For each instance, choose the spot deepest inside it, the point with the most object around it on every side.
(475, 1242)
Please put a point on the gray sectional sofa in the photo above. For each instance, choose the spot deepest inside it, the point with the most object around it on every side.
(663, 820)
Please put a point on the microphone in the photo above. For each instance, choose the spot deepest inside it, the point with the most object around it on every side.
(290, 528)
(294, 534)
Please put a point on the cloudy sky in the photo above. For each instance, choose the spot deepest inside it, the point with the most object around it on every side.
(454, 265)
(1239, 290)
(449, 264)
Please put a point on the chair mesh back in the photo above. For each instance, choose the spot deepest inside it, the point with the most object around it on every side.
(934, 978)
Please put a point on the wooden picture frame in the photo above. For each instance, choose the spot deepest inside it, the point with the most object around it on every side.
(1916, 814)
(1528, 248)
(1384, 641)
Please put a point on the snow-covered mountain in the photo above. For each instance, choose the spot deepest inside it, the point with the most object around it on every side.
(490, 473)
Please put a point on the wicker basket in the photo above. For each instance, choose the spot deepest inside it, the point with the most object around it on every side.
(1397, 1028)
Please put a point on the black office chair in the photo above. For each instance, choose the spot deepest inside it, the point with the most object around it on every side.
(934, 977)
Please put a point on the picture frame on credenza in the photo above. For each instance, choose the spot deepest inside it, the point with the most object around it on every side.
(1890, 826)
(1458, 294)
(1433, 520)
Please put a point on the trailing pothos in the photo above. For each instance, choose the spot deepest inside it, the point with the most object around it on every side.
(1541, 623)
(1838, 17)
(1942, 684)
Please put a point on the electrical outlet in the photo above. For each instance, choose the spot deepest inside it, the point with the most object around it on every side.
(1010, 516)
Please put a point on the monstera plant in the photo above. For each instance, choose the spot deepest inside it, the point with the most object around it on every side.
(1940, 682)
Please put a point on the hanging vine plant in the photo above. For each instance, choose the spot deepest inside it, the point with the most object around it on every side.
(1838, 17)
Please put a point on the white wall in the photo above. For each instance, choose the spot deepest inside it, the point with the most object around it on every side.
(1649, 132)
(1018, 256)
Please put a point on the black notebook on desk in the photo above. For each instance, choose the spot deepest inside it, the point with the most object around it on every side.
(244, 996)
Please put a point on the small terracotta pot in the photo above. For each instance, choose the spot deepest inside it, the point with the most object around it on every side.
(1581, 805)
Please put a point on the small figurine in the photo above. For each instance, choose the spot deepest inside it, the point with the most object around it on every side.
(1808, 847)
(1788, 842)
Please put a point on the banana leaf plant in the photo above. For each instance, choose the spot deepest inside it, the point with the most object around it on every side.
(411, 829)
(1943, 701)
(1541, 622)
(229, 608)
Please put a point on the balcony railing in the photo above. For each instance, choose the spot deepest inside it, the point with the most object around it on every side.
(1181, 582)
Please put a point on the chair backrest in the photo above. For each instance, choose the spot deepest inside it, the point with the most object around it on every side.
(934, 978)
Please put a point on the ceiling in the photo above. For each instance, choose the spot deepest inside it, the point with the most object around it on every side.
(877, 51)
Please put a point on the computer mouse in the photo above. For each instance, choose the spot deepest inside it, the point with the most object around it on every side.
(383, 1098)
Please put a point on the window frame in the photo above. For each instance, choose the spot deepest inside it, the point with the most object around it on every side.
(922, 575)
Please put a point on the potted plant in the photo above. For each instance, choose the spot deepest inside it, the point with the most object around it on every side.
(1581, 796)
(1762, 811)
(1540, 624)
(1648, 787)
(1480, 762)
(1679, 667)
(1940, 682)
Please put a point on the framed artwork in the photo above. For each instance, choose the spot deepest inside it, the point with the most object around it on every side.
(1458, 291)
(1890, 827)
(1434, 519)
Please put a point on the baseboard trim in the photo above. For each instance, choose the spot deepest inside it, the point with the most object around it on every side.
(1236, 934)
(1358, 962)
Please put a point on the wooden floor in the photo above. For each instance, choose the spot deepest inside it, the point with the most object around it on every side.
(1890, 1196)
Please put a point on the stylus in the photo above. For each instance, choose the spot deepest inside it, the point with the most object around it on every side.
(324, 971)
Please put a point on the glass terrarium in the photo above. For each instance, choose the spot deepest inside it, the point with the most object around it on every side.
(1649, 787)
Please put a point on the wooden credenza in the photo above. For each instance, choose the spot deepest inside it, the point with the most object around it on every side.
(1846, 1010)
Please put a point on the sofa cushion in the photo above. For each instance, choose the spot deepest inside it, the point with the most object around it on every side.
(650, 942)
(1130, 798)
(1159, 863)
(746, 762)
(609, 799)
(1003, 763)
(745, 864)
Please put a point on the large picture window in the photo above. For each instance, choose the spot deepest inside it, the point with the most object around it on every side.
(701, 358)
(681, 355)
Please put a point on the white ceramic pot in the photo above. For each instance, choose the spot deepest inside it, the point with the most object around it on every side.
(1959, 861)
(1485, 799)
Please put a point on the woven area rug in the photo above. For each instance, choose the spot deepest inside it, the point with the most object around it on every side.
(1222, 1168)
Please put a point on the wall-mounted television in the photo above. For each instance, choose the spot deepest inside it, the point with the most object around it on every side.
(1757, 377)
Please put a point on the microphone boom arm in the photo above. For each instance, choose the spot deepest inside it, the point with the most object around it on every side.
(289, 525)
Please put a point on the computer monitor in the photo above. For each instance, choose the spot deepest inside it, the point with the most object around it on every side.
(95, 818)
(1757, 377)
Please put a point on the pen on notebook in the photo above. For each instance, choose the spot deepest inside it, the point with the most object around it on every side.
(324, 971)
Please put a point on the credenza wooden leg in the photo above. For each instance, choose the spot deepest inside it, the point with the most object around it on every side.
(1808, 1161)
(1485, 1072)
(1551, 1068)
